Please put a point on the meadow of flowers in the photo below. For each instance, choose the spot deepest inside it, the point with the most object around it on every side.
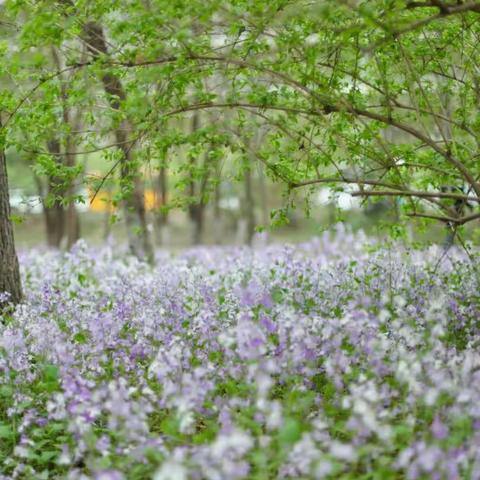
(337, 358)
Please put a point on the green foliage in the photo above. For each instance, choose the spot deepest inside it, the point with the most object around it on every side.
(371, 96)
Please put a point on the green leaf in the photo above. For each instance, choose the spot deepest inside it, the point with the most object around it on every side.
(290, 432)
(48, 456)
(6, 431)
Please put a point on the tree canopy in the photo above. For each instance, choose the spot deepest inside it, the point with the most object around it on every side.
(378, 98)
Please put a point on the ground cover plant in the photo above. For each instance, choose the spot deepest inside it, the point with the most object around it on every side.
(338, 358)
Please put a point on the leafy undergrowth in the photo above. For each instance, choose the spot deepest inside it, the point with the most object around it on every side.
(332, 359)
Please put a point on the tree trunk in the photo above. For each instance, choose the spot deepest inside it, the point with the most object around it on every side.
(217, 214)
(54, 224)
(9, 271)
(264, 197)
(161, 216)
(54, 213)
(248, 212)
(107, 225)
(459, 206)
(197, 215)
(196, 210)
(134, 198)
(71, 219)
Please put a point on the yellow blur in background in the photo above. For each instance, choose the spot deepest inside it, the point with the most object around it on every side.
(102, 201)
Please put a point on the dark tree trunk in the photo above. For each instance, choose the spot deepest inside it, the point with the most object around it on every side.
(248, 212)
(264, 197)
(459, 207)
(197, 215)
(107, 222)
(196, 210)
(217, 213)
(134, 199)
(71, 219)
(54, 223)
(161, 216)
(54, 212)
(9, 271)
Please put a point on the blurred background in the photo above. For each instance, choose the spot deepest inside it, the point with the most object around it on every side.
(239, 213)
(208, 151)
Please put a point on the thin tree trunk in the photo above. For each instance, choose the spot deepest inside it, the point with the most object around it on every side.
(217, 214)
(192, 207)
(107, 225)
(248, 213)
(196, 210)
(249, 206)
(54, 223)
(197, 214)
(264, 197)
(72, 218)
(54, 213)
(71, 230)
(9, 271)
(107, 219)
(459, 205)
(72, 225)
(161, 216)
(134, 200)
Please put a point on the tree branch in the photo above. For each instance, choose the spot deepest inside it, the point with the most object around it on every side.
(440, 218)
(342, 180)
(457, 221)
(413, 193)
(445, 11)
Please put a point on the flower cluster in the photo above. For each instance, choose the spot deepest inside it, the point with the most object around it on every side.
(332, 359)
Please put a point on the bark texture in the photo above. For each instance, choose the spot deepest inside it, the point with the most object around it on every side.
(9, 271)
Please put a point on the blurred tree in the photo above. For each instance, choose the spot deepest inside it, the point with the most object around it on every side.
(131, 181)
(54, 209)
(197, 182)
(161, 214)
(248, 206)
(71, 123)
